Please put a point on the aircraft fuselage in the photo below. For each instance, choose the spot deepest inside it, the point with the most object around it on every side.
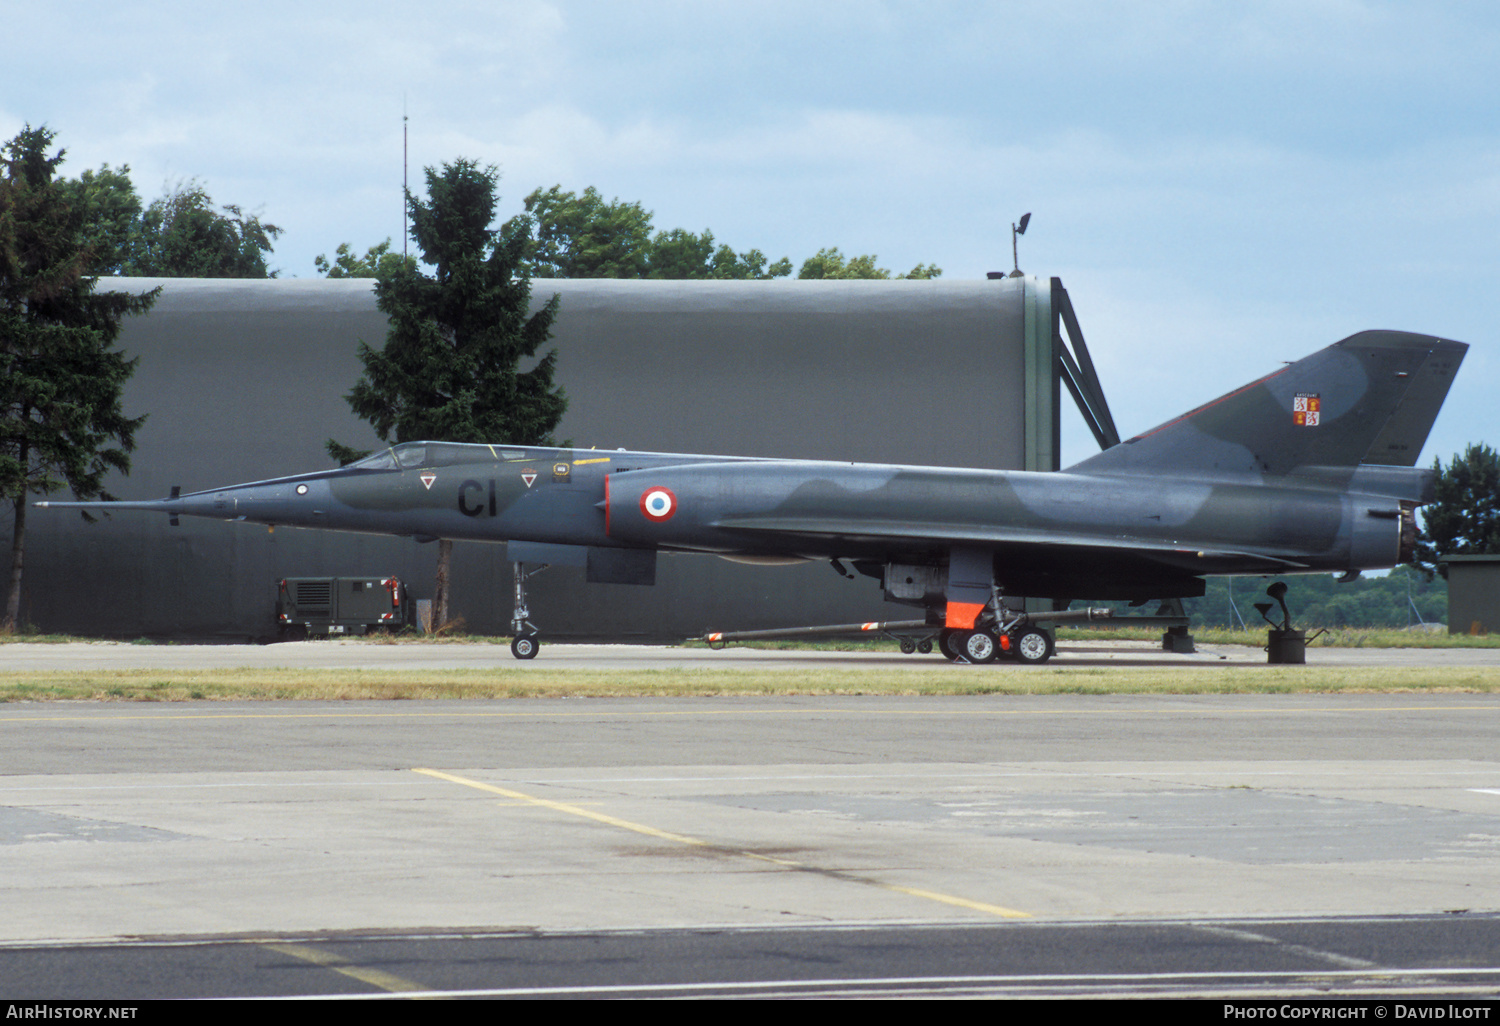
(729, 506)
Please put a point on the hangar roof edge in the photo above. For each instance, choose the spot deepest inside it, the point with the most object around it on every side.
(183, 295)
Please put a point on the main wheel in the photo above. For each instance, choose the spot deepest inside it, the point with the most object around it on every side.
(948, 641)
(524, 646)
(1031, 645)
(978, 646)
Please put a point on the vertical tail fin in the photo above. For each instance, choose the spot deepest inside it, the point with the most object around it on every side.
(1370, 399)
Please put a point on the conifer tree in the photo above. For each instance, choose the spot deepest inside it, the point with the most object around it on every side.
(450, 369)
(62, 422)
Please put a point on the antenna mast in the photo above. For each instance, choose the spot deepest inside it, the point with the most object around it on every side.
(1014, 231)
(403, 178)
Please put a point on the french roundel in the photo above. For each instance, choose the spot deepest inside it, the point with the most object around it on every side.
(658, 504)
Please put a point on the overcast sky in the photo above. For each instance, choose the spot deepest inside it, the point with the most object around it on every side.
(1221, 186)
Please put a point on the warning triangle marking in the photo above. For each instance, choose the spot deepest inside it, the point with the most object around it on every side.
(529, 476)
(427, 480)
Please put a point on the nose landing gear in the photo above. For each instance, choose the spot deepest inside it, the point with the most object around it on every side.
(524, 642)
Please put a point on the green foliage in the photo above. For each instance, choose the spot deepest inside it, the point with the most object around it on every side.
(924, 272)
(111, 212)
(62, 422)
(582, 236)
(377, 260)
(750, 265)
(830, 263)
(180, 235)
(1464, 519)
(585, 237)
(680, 254)
(1402, 598)
(449, 370)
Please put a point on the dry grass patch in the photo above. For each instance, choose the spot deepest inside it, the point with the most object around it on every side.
(249, 684)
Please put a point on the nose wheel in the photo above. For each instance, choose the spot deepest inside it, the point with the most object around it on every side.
(524, 642)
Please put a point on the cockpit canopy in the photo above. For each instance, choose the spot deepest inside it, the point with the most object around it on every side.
(411, 455)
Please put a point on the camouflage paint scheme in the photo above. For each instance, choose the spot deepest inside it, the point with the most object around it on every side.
(1308, 469)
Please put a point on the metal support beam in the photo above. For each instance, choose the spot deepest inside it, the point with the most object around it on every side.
(1076, 369)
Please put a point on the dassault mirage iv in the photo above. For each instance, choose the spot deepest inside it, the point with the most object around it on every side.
(1309, 469)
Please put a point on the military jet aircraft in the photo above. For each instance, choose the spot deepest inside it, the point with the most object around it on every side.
(1309, 469)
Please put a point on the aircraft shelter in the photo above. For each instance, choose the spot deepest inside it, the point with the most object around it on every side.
(244, 380)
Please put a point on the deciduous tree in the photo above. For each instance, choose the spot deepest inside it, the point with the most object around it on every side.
(680, 254)
(830, 263)
(585, 237)
(111, 211)
(181, 235)
(377, 260)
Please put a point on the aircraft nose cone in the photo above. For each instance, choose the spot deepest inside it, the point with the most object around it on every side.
(290, 501)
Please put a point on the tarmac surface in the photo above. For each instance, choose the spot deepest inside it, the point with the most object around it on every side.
(1223, 845)
(349, 653)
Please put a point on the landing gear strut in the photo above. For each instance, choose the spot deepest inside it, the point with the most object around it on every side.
(524, 643)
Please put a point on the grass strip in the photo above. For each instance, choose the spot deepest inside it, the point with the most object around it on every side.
(283, 684)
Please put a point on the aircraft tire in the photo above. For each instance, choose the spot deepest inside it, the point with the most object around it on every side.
(924, 646)
(908, 646)
(1031, 646)
(524, 646)
(978, 646)
(948, 640)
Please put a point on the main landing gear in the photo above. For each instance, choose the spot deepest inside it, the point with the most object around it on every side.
(1008, 637)
(524, 643)
(1016, 635)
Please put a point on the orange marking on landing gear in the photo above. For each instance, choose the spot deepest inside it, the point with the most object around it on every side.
(961, 615)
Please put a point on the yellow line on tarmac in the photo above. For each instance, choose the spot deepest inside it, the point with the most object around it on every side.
(641, 828)
(574, 810)
(949, 899)
(374, 977)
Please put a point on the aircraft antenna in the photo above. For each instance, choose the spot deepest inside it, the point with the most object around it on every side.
(1016, 230)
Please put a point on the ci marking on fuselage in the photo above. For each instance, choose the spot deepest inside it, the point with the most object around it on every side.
(529, 476)
(427, 480)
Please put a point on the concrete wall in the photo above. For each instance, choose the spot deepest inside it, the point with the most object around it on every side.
(245, 380)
